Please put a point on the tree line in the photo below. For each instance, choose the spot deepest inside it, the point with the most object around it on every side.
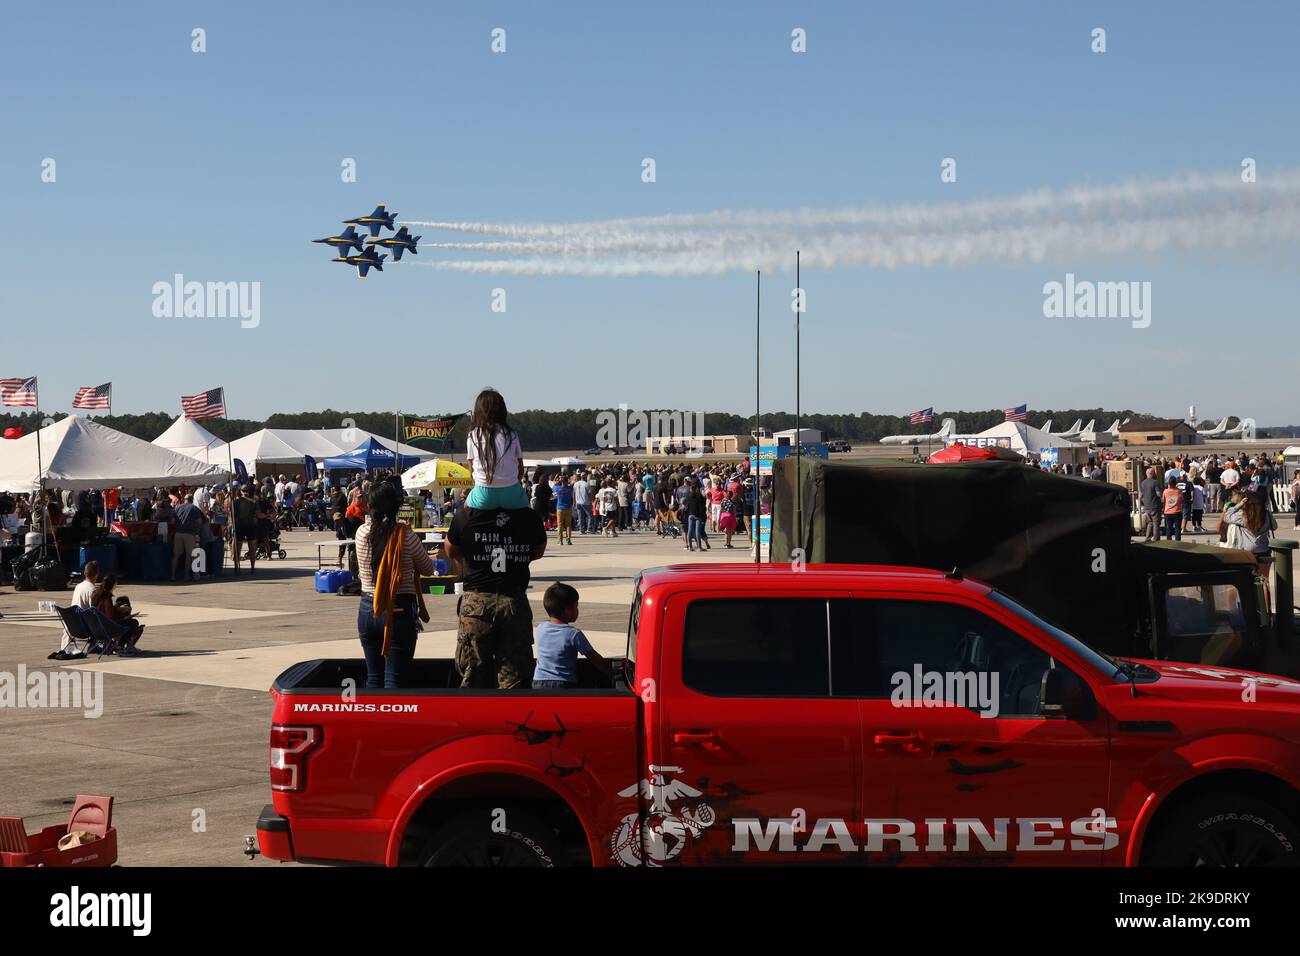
(575, 428)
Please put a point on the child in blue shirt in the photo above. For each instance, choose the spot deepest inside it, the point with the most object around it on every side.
(559, 642)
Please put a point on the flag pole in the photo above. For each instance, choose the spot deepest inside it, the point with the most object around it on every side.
(230, 454)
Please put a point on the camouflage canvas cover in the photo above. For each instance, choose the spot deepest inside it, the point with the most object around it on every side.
(1058, 544)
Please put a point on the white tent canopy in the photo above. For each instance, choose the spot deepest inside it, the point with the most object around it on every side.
(288, 446)
(1020, 437)
(77, 453)
(188, 437)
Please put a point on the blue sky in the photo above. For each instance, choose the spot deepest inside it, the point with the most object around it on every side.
(222, 166)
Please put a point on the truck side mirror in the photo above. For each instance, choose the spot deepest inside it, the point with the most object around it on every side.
(1062, 694)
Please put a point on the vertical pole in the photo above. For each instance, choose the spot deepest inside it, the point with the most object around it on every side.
(798, 421)
(758, 442)
(103, 497)
(230, 487)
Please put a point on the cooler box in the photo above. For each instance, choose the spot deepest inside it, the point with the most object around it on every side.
(105, 554)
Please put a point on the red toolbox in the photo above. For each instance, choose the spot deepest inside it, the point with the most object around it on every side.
(91, 815)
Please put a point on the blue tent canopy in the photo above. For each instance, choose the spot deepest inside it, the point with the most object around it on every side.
(369, 455)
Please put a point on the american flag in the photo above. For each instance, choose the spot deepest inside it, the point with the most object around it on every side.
(18, 391)
(1017, 414)
(209, 404)
(923, 417)
(100, 396)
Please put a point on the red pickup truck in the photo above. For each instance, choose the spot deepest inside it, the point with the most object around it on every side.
(876, 715)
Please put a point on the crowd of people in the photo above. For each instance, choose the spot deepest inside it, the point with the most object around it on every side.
(1175, 494)
(693, 499)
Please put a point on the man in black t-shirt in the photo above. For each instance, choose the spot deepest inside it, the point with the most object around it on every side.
(495, 636)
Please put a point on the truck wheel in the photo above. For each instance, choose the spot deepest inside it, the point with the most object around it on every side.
(471, 840)
(1226, 829)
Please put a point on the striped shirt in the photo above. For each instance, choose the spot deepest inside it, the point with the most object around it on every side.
(414, 558)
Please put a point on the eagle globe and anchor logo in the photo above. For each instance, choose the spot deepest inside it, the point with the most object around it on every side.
(659, 836)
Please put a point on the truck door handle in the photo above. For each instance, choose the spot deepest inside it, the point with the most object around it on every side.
(708, 739)
(911, 742)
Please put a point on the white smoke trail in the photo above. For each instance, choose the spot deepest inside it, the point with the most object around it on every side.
(1188, 212)
(1086, 200)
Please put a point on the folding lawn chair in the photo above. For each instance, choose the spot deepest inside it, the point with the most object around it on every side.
(76, 635)
(83, 633)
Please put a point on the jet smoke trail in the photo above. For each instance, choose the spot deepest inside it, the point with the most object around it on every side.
(1184, 212)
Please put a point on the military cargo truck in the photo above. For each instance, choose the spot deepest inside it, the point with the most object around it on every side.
(1061, 545)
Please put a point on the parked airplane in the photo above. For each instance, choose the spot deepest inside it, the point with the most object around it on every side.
(1113, 431)
(1071, 432)
(344, 240)
(949, 426)
(1244, 428)
(364, 261)
(1215, 431)
(378, 219)
(1046, 427)
(398, 243)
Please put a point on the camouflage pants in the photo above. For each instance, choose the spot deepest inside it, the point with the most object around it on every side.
(495, 640)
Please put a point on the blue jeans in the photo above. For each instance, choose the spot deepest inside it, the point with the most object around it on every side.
(582, 517)
(1174, 527)
(695, 530)
(390, 671)
(551, 684)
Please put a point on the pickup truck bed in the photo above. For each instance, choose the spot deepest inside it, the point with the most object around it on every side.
(380, 750)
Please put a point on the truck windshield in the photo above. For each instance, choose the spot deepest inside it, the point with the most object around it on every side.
(1094, 657)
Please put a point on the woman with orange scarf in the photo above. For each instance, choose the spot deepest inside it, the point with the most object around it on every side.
(390, 558)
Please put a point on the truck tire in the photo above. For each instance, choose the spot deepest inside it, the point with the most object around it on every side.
(1226, 829)
(471, 840)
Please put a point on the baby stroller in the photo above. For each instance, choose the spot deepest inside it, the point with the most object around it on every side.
(672, 527)
(314, 515)
(287, 519)
(268, 546)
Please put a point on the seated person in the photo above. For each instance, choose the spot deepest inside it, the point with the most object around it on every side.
(115, 615)
(81, 594)
(559, 642)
